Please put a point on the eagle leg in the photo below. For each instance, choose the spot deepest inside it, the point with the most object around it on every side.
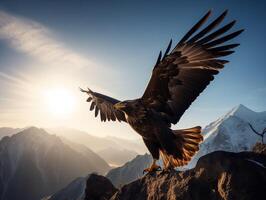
(168, 167)
(153, 168)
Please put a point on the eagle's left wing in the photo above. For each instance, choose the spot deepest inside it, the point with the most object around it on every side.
(104, 106)
(179, 77)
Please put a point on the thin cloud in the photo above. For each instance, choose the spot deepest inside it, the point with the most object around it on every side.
(36, 40)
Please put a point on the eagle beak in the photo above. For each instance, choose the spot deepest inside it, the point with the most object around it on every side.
(119, 106)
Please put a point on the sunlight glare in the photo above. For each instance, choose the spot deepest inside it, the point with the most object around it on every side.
(60, 102)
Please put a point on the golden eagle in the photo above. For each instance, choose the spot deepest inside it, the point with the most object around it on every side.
(178, 78)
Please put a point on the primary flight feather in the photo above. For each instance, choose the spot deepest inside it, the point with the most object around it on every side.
(178, 77)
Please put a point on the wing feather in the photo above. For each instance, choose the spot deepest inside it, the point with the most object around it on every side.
(179, 77)
(104, 106)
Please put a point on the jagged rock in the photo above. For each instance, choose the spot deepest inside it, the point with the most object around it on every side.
(99, 188)
(218, 175)
(260, 148)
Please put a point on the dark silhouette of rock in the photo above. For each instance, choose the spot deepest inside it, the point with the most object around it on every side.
(218, 175)
(99, 188)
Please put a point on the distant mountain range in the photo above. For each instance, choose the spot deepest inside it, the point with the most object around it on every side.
(116, 151)
(7, 131)
(34, 164)
(117, 157)
(99, 143)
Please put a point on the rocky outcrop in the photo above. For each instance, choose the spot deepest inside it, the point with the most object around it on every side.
(99, 188)
(218, 175)
(259, 148)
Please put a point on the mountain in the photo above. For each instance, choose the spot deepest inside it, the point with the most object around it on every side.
(218, 175)
(34, 164)
(73, 191)
(99, 143)
(230, 132)
(116, 157)
(133, 145)
(77, 188)
(130, 171)
(100, 164)
(116, 151)
(6, 131)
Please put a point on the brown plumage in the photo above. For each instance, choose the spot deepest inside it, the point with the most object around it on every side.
(177, 80)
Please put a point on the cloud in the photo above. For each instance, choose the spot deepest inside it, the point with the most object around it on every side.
(36, 40)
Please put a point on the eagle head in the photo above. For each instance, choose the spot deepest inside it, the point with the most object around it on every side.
(129, 107)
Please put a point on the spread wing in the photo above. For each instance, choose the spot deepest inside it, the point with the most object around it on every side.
(179, 77)
(104, 106)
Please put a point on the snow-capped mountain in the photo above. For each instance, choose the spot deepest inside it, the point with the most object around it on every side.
(35, 164)
(232, 132)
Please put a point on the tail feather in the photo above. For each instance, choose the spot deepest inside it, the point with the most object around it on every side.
(187, 141)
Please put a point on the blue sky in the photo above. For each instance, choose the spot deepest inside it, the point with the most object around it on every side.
(112, 46)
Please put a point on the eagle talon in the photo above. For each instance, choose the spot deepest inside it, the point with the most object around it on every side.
(152, 169)
(167, 170)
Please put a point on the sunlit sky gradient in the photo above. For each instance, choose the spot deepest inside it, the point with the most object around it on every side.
(111, 46)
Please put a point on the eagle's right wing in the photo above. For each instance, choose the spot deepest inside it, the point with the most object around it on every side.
(104, 106)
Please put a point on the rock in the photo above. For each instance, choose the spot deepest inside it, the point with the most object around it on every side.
(218, 175)
(259, 148)
(99, 188)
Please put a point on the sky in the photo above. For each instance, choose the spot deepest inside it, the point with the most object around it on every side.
(48, 49)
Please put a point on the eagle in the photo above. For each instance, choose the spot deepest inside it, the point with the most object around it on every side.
(178, 78)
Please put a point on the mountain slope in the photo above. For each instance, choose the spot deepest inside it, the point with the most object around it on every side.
(99, 164)
(99, 143)
(231, 132)
(116, 157)
(7, 131)
(73, 191)
(34, 164)
(130, 171)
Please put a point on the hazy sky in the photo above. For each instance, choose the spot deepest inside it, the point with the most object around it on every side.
(111, 46)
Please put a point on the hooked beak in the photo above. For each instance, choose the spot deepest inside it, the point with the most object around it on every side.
(120, 106)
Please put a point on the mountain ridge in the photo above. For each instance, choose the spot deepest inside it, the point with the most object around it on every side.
(34, 164)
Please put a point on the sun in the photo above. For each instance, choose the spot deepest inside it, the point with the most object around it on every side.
(60, 102)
